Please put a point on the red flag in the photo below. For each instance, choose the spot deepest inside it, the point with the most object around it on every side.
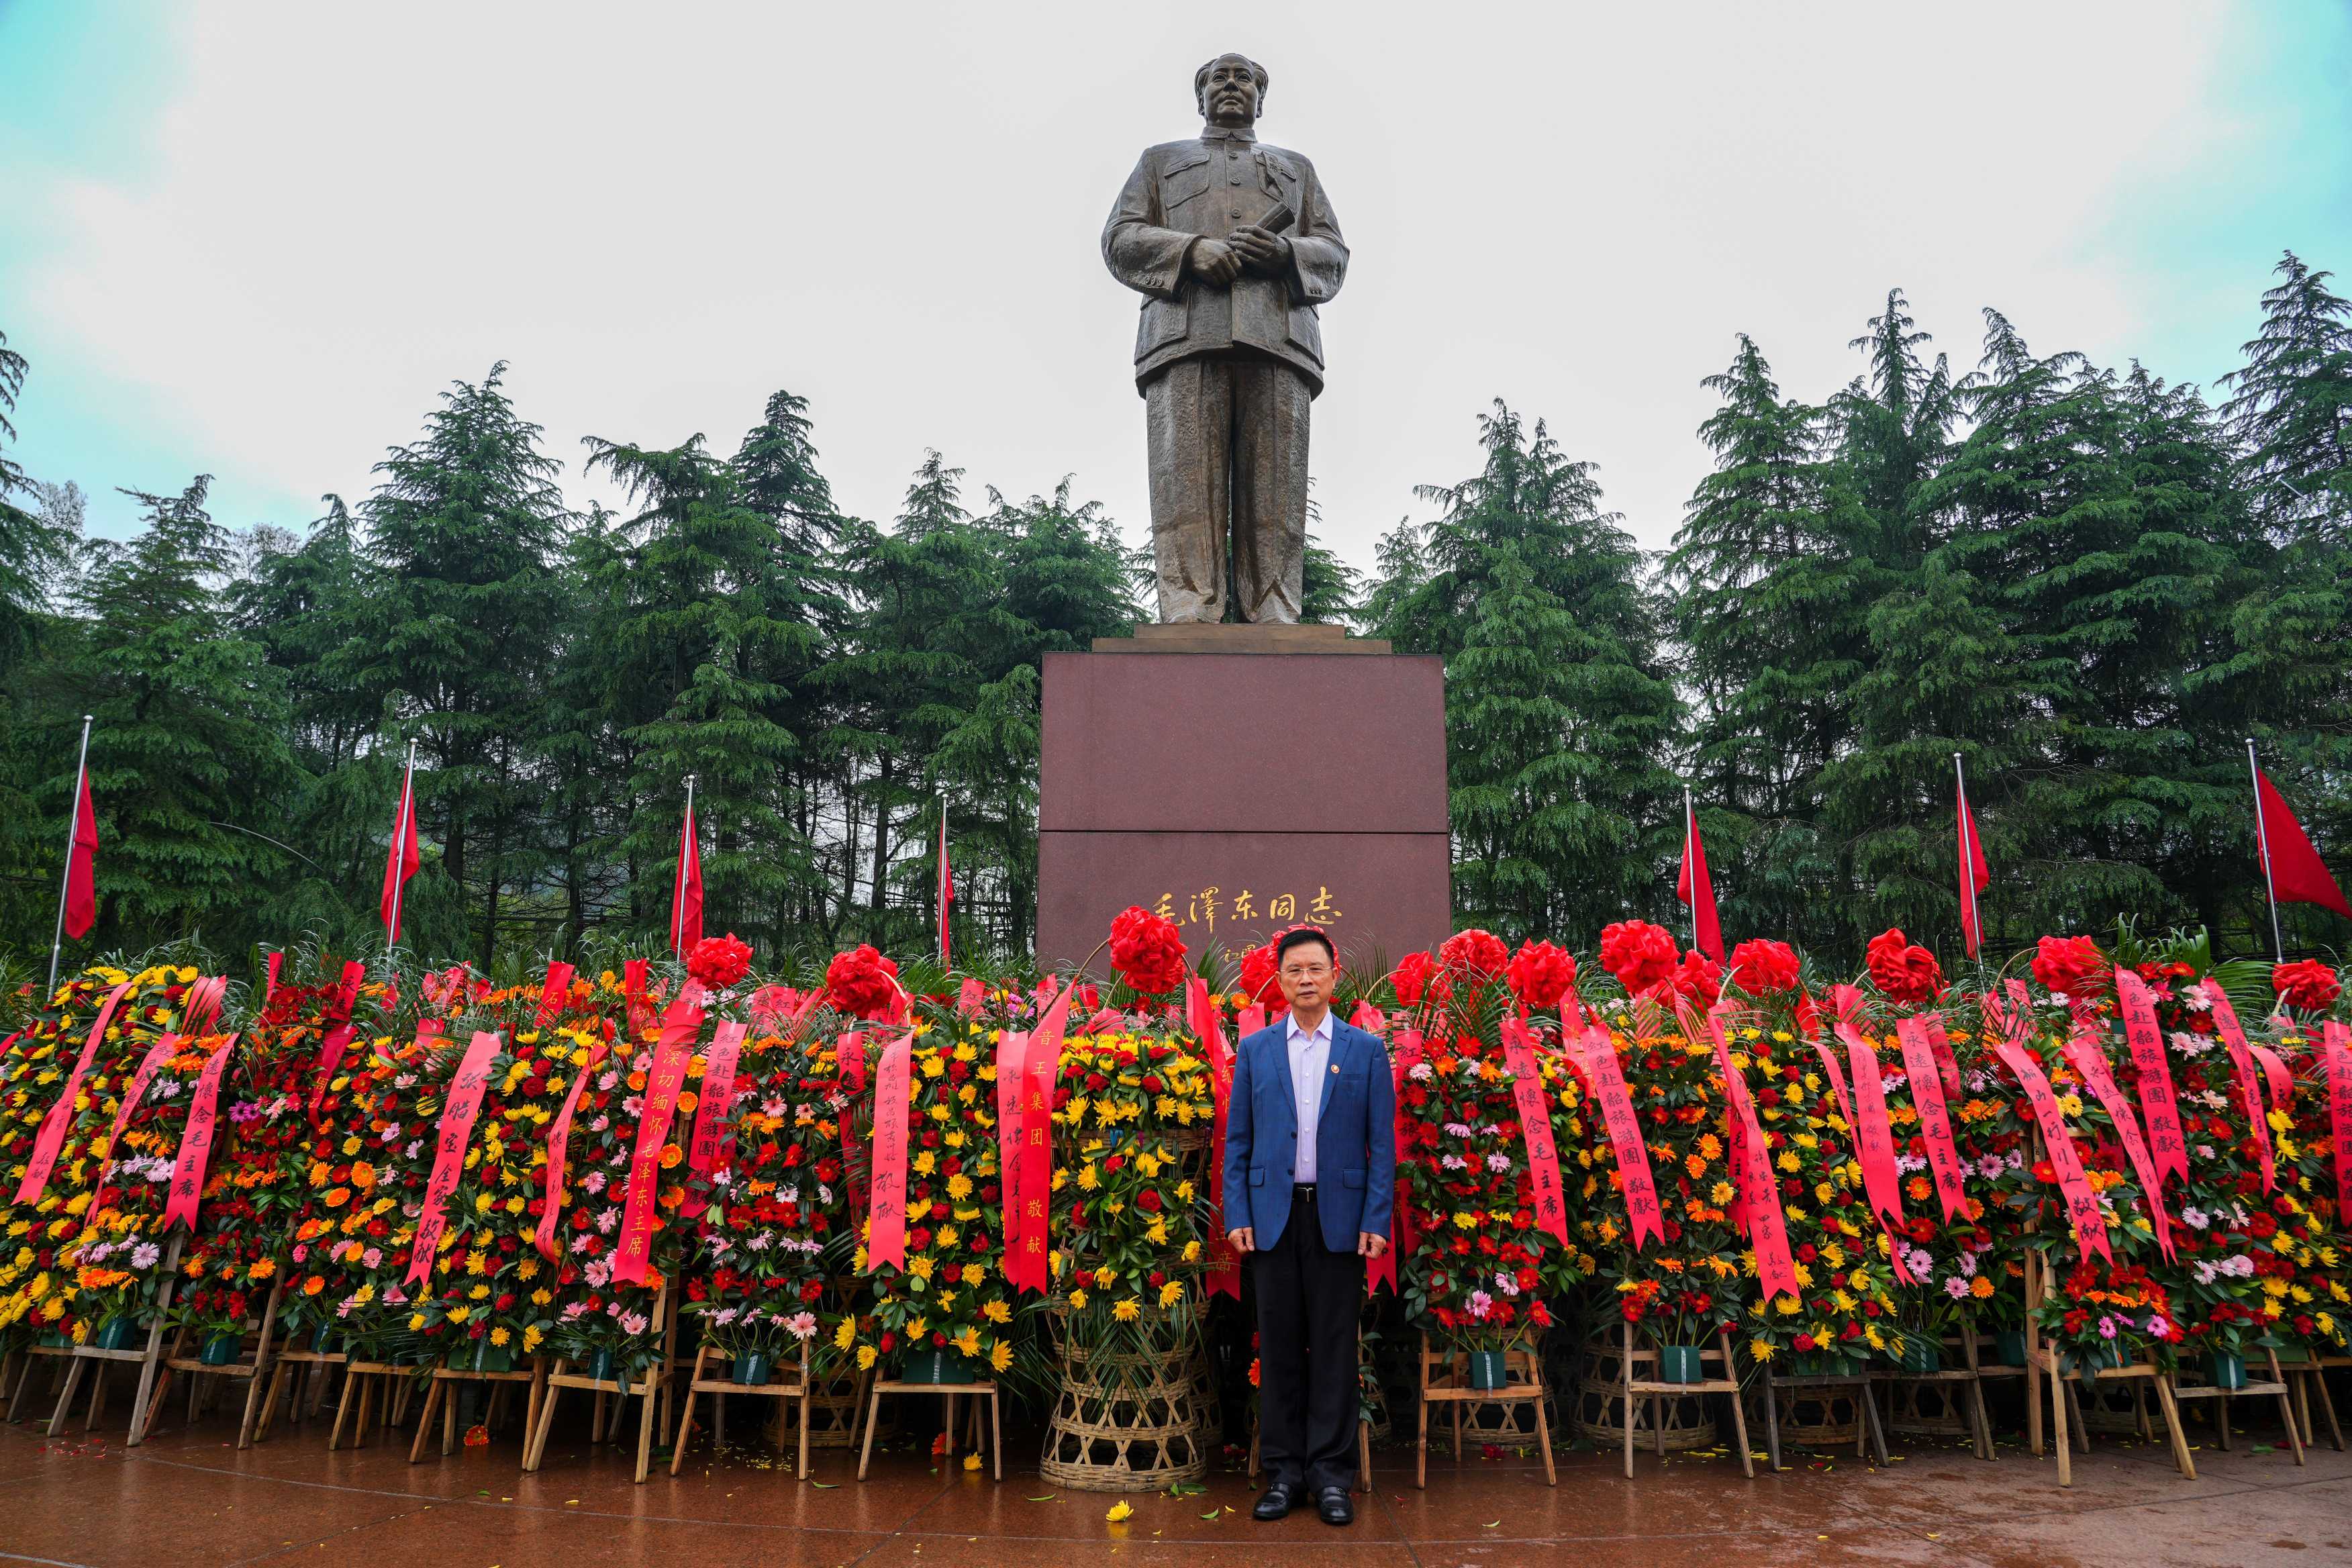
(1696, 891)
(1975, 874)
(81, 867)
(946, 885)
(400, 863)
(686, 904)
(2297, 874)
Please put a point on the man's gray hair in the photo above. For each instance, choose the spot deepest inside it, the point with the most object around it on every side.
(1200, 81)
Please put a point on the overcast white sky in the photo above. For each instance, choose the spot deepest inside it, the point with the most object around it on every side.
(259, 239)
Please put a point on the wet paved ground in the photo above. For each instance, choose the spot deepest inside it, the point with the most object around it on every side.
(189, 1497)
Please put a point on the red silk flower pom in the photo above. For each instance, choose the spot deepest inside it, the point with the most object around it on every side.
(1417, 975)
(1761, 968)
(1146, 951)
(2308, 987)
(1540, 974)
(1699, 979)
(863, 983)
(1258, 977)
(1638, 954)
(2072, 965)
(718, 961)
(1473, 954)
(1903, 972)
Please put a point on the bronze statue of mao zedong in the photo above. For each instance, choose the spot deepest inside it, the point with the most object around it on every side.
(1233, 245)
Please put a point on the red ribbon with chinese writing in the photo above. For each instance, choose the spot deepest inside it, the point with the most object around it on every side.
(641, 1214)
(886, 1237)
(850, 1066)
(2336, 1046)
(1012, 1050)
(1597, 1054)
(2082, 1205)
(1939, 1044)
(554, 992)
(2242, 1057)
(2088, 1057)
(1224, 1265)
(1767, 1228)
(196, 1141)
(60, 1120)
(970, 998)
(161, 1048)
(2166, 1140)
(1039, 1073)
(559, 1133)
(457, 1124)
(1369, 1020)
(1535, 1129)
(340, 1030)
(1873, 1133)
(1402, 1237)
(633, 994)
(1927, 1080)
(710, 1120)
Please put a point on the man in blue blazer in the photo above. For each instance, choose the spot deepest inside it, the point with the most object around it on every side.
(1310, 1170)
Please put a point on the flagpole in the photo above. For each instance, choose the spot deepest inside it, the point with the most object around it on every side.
(400, 829)
(677, 895)
(1968, 855)
(2262, 847)
(1690, 831)
(65, 883)
(941, 892)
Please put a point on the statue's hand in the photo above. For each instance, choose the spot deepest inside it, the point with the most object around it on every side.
(1215, 261)
(1267, 255)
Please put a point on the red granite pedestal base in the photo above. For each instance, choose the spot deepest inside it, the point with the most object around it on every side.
(1239, 779)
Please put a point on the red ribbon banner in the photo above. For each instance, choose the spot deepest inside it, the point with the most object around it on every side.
(1040, 1070)
(1872, 1134)
(886, 1237)
(2336, 1046)
(1597, 1054)
(850, 1066)
(154, 1058)
(641, 1214)
(1768, 1227)
(2166, 1140)
(1208, 1028)
(1535, 1129)
(340, 1029)
(196, 1141)
(559, 1134)
(2082, 1205)
(1382, 1270)
(60, 1120)
(969, 998)
(2088, 1056)
(1012, 1051)
(2242, 1057)
(1927, 1080)
(705, 1150)
(457, 1124)
(555, 993)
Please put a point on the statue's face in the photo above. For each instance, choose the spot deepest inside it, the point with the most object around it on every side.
(1229, 95)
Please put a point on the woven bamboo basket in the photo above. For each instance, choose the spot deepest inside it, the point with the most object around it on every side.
(1813, 1417)
(1129, 1422)
(1601, 1408)
(1916, 1409)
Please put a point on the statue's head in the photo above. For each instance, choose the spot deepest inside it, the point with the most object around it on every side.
(1230, 90)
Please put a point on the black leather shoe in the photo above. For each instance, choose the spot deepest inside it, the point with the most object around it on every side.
(1336, 1506)
(1275, 1503)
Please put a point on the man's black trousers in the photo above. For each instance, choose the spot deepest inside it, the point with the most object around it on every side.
(1307, 1299)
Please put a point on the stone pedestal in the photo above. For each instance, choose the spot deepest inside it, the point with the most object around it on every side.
(1242, 778)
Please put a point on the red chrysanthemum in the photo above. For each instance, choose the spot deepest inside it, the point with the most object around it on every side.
(2072, 965)
(1540, 974)
(1762, 967)
(1905, 972)
(862, 983)
(1473, 954)
(718, 961)
(1638, 954)
(2307, 986)
(1146, 951)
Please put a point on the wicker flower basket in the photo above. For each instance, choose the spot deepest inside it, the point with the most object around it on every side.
(1600, 1407)
(1128, 1422)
